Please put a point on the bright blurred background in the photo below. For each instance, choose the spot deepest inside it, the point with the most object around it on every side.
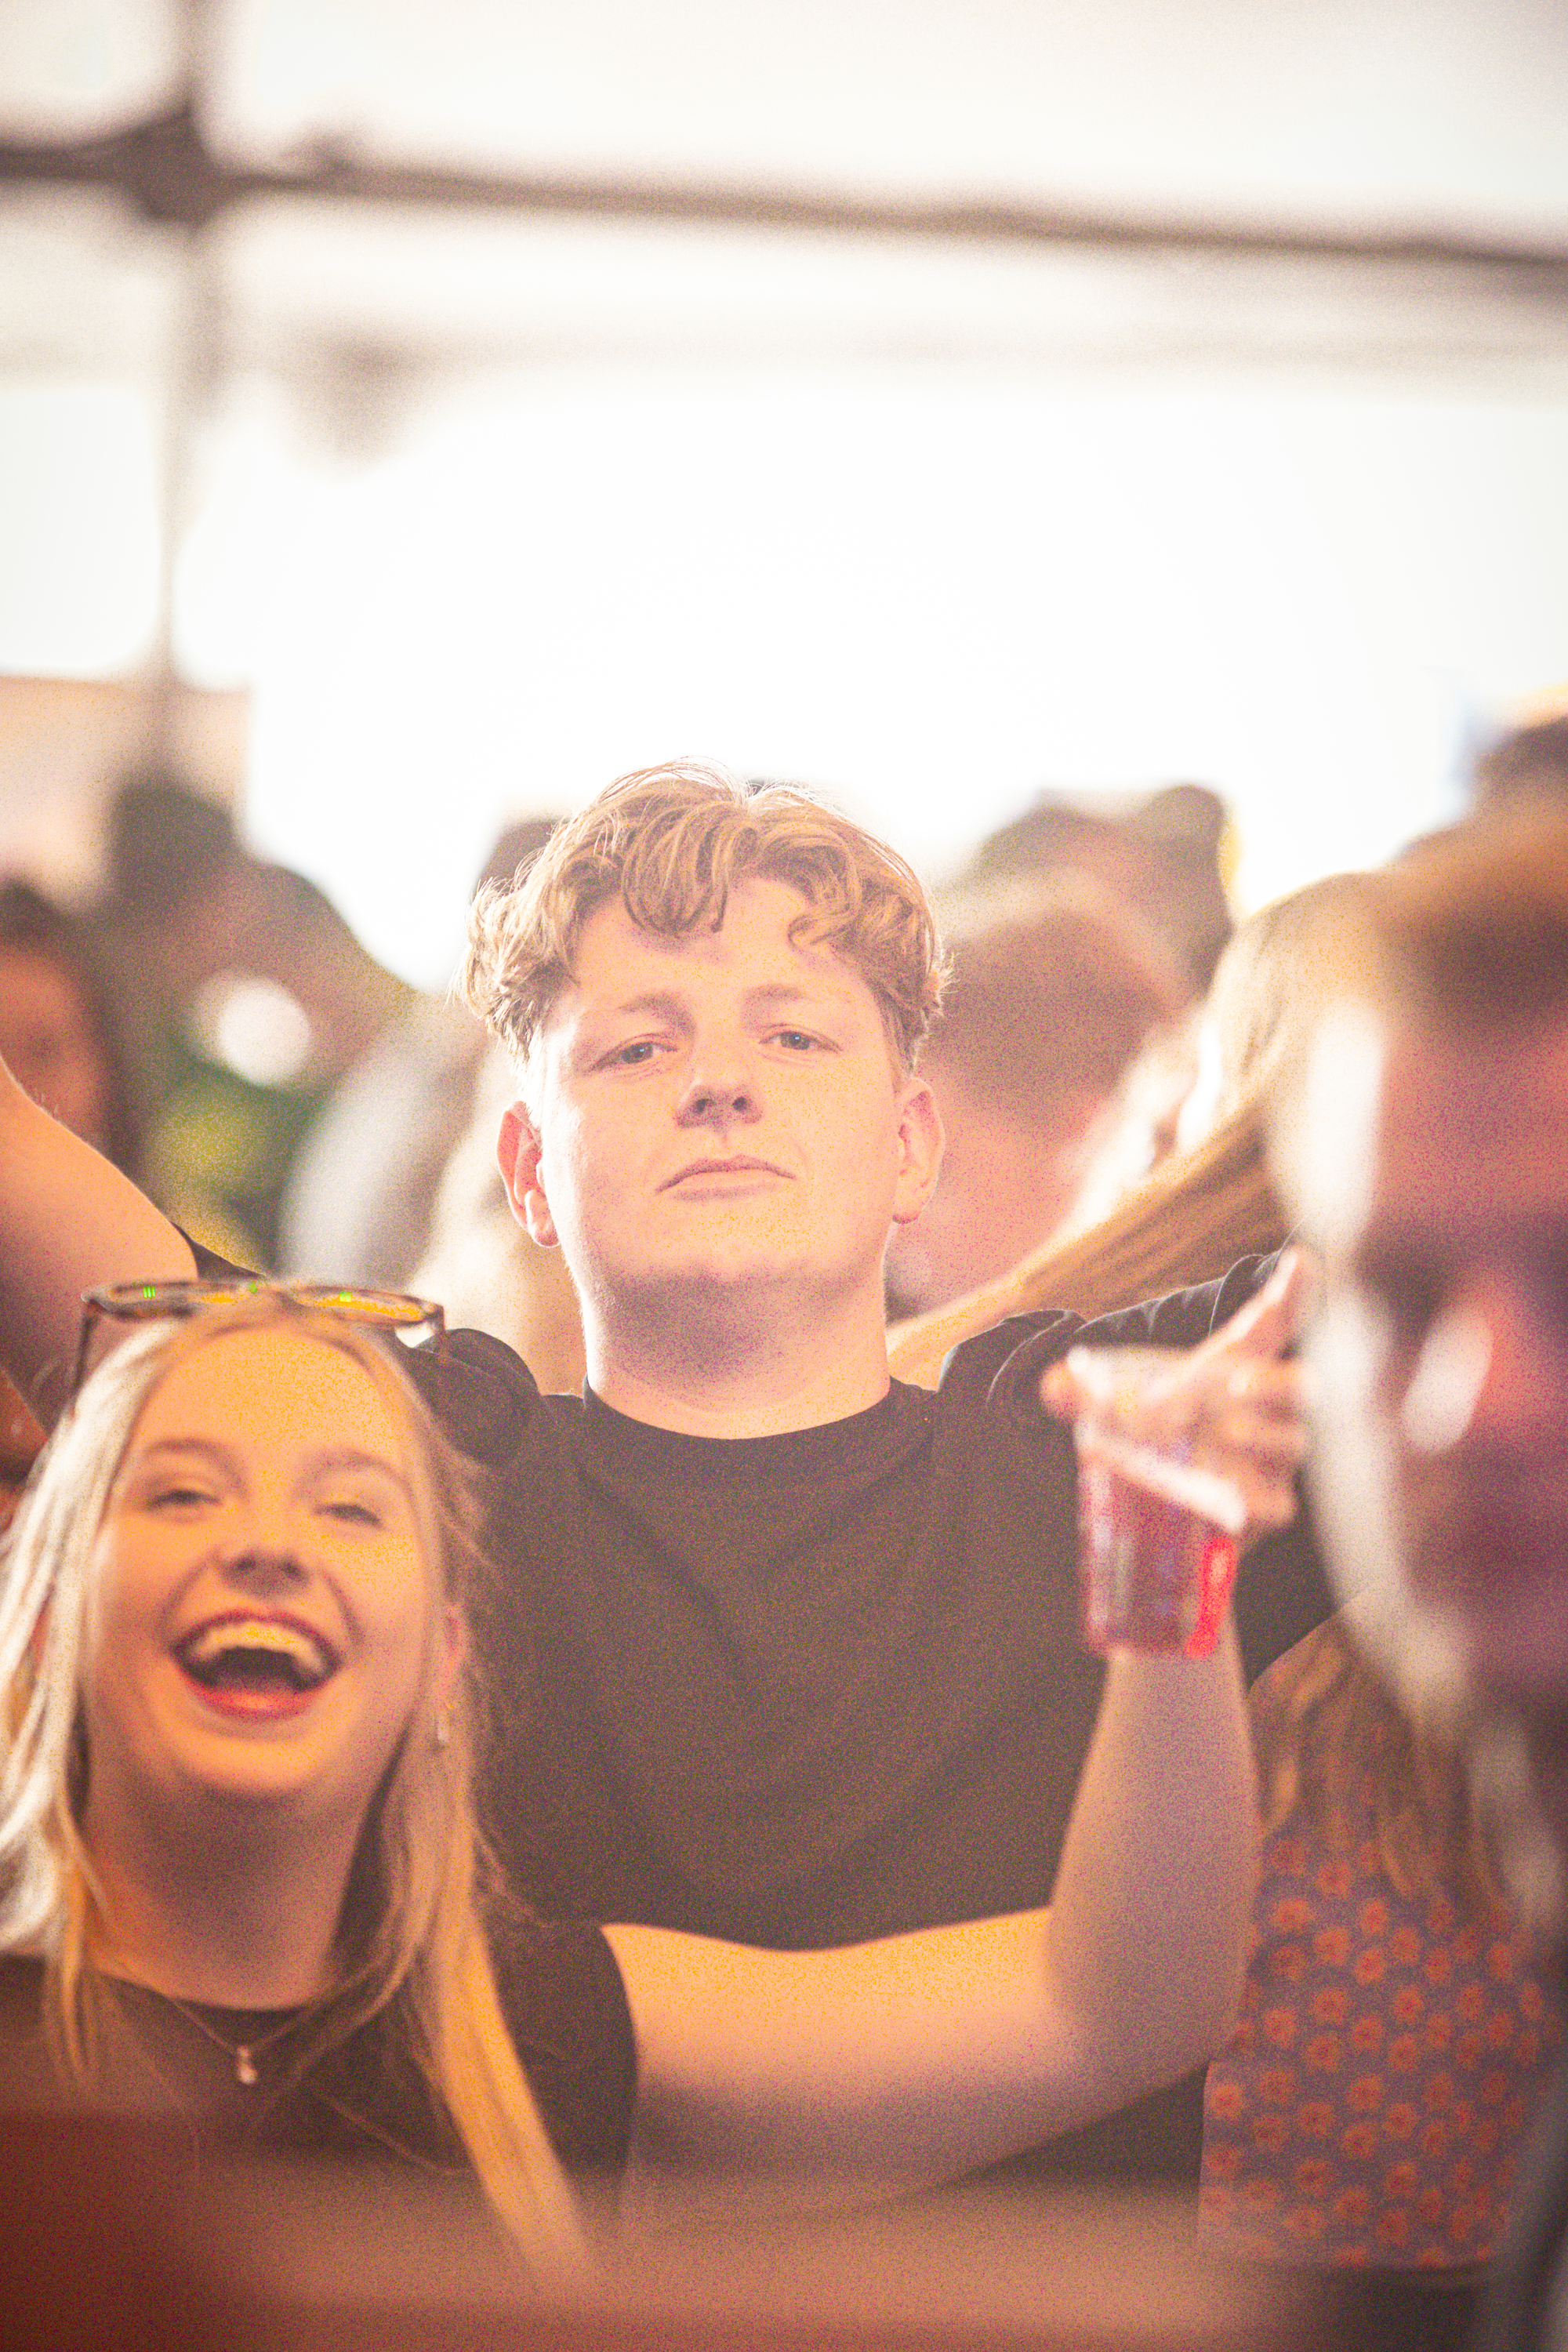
(715, 414)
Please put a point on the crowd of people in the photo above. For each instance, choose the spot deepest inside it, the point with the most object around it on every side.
(642, 1731)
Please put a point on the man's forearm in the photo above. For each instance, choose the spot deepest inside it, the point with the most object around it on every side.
(68, 1219)
(1152, 1903)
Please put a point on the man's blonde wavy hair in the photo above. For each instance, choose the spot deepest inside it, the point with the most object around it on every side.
(411, 1948)
(671, 842)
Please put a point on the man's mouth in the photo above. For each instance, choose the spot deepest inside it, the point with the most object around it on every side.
(248, 1663)
(733, 1165)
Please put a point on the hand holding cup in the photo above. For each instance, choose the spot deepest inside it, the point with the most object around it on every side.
(1186, 1456)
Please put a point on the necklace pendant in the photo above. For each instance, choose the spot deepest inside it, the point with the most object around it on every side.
(245, 2067)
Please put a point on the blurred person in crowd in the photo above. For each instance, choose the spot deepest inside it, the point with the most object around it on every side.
(174, 908)
(1428, 1156)
(1530, 762)
(1162, 1206)
(189, 916)
(58, 1036)
(1164, 859)
(1400, 2020)
(362, 1189)
(785, 1653)
(1052, 990)
(1204, 1208)
(58, 1027)
(240, 1879)
(184, 906)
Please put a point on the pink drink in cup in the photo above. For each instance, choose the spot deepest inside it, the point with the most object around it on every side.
(1157, 1534)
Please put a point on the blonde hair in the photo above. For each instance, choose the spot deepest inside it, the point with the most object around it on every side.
(671, 842)
(1204, 1208)
(1472, 925)
(410, 1947)
(1272, 983)
(1333, 1744)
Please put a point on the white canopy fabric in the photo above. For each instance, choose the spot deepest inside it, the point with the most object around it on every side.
(1372, 112)
(484, 503)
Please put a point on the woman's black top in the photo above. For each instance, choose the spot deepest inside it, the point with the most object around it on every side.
(561, 1991)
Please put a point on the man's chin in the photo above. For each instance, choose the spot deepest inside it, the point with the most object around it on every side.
(718, 1282)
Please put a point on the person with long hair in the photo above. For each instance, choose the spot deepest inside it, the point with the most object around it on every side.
(240, 1875)
(1211, 1200)
(1399, 2023)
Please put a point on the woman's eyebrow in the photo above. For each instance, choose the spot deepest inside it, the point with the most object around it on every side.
(210, 1447)
(355, 1457)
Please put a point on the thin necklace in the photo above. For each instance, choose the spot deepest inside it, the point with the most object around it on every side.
(243, 2053)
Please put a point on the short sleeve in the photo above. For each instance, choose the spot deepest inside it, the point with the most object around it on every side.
(562, 1994)
(1181, 1320)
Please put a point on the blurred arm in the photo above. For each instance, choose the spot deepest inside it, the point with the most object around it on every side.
(68, 1220)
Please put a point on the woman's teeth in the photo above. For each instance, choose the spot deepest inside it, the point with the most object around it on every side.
(256, 1651)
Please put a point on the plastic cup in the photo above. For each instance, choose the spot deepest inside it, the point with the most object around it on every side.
(1157, 1532)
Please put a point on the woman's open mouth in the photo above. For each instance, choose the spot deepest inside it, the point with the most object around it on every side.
(256, 1665)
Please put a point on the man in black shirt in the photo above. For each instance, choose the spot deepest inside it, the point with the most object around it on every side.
(782, 1652)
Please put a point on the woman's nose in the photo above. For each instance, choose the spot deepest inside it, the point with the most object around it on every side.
(264, 1560)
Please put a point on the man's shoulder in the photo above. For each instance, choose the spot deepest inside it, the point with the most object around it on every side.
(1000, 1368)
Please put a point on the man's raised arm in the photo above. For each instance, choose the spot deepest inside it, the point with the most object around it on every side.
(68, 1220)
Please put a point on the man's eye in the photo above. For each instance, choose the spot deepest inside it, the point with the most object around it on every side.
(796, 1041)
(1411, 1297)
(627, 1057)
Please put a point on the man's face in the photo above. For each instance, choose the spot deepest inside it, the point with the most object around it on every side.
(717, 1114)
(1463, 1255)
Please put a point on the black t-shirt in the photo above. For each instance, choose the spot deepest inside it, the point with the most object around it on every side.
(560, 1990)
(806, 1689)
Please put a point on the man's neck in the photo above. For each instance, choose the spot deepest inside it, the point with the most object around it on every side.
(717, 1367)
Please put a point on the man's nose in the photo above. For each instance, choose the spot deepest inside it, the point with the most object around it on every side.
(721, 1085)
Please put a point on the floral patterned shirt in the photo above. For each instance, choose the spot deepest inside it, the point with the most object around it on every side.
(1389, 2057)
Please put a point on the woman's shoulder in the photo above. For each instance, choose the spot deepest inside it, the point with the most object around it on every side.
(28, 2078)
(21, 1989)
(564, 2002)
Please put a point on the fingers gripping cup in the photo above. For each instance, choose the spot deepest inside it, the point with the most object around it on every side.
(1157, 1532)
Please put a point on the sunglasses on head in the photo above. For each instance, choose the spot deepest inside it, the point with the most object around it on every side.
(394, 1312)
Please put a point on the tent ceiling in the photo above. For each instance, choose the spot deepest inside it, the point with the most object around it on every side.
(1307, 115)
(1153, 183)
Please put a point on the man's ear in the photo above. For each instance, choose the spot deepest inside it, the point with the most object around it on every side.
(517, 1154)
(921, 1143)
